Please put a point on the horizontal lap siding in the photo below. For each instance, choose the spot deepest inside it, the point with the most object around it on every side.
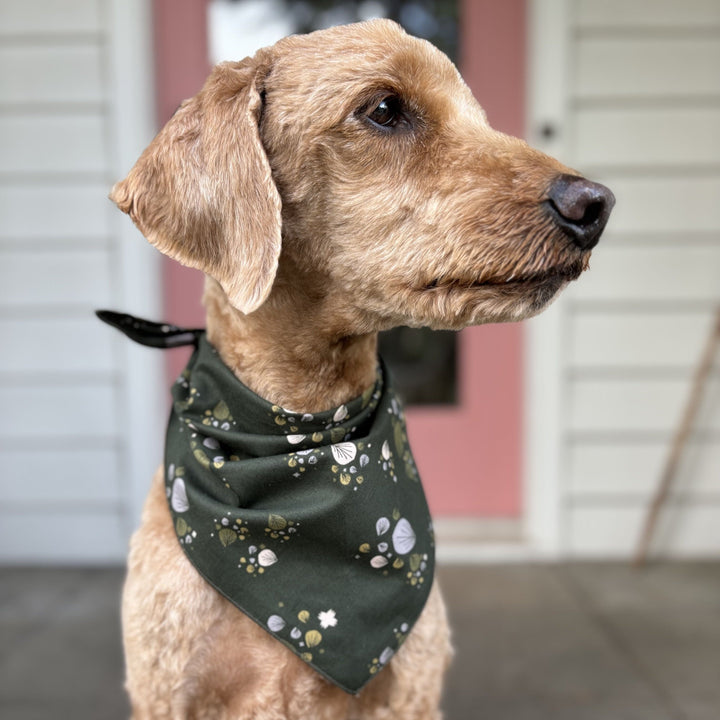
(635, 404)
(44, 278)
(53, 533)
(657, 270)
(670, 200)
(59, 144)
(685, 529)
(42, 210)
(644, 116)
(63, 410)
(637, 340)
(34, 73)
(61, 439)
(39, 345)
(627, 468)
(647, 14)
(50, 17)
(632, 67)
(682, 137)
(58, 477)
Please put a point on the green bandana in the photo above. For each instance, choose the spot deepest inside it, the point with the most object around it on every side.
(314, 525)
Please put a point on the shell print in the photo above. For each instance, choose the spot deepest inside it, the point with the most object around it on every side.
(382, 526)
(385, 655)
(178, 497)
(403, 537)
(275, 623)
(344, 453)
(266, 558)
(340, 414)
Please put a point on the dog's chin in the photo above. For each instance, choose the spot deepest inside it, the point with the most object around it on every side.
(453, 305)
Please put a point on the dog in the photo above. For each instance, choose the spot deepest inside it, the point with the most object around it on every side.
(333, 185)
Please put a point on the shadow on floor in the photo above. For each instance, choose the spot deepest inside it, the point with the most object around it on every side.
(534, 642)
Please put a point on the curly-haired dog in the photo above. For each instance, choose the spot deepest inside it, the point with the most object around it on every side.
(334, 185)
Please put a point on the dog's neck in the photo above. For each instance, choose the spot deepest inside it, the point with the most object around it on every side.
(282, 352)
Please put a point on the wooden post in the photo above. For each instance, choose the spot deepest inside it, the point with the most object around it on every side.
(679, 441)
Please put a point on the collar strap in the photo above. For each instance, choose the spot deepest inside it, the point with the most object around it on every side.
(151, 334)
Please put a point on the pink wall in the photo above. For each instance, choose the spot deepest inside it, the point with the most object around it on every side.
(493, 59)
(470, 455)
(181, 66)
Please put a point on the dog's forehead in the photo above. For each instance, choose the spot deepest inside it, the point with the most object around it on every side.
(343, 60)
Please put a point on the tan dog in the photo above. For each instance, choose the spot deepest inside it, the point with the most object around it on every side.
(334, 185)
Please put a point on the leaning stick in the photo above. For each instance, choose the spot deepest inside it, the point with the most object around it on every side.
(693, 405)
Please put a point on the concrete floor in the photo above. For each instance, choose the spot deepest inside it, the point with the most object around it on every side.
(535, 642)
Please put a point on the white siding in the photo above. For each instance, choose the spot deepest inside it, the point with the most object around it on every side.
(645, 138)
(39, 278)
(640, 111)
(64, 388)
(50, 17)
(73, 142)
(43, 210)
(39, 345)
(35, 72)
(637, 339)
(612, 67)
(647, 14)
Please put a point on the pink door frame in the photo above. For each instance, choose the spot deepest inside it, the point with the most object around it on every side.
(470, 455)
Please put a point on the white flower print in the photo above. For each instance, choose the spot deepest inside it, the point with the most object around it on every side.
(327, 619)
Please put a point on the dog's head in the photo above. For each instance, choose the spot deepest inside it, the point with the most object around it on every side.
(355, 164)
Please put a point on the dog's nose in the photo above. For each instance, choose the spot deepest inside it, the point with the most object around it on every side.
(581, 208)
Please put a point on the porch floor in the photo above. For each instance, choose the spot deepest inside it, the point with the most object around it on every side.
(534, 642)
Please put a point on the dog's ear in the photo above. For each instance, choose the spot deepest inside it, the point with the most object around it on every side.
(203, 193)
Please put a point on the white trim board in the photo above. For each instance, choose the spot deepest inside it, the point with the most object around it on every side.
(547, 91)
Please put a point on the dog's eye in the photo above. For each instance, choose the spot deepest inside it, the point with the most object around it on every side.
(388, 113)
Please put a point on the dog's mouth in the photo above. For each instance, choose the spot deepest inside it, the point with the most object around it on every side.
(551, 276)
